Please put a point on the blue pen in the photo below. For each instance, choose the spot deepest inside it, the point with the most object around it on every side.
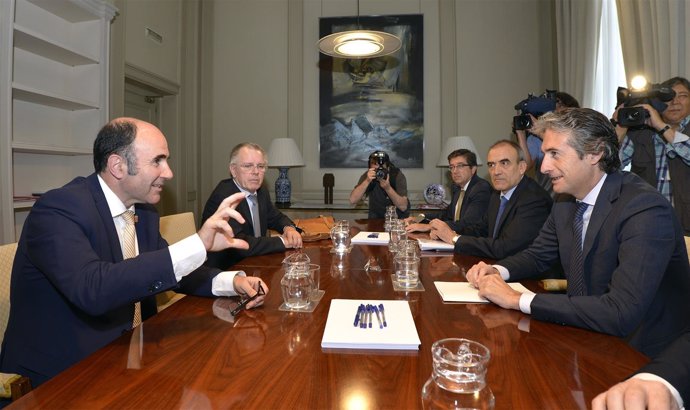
(363, 319)
(370, 309)
(359, 311)
(383, 314)
(378, 317)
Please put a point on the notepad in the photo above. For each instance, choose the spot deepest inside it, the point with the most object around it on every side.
(464, 292)
(435, 245)
(340, 332)
(370, 238)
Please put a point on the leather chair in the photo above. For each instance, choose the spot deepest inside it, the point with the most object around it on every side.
(14, 386)
(174, 228)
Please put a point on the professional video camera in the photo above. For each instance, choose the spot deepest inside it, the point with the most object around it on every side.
(537, 106)
(381, 159)
(635, 117)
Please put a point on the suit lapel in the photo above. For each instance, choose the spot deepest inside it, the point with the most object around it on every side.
(608, 194)
(107, 219)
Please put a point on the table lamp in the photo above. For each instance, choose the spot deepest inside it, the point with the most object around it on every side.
(283, 154)
(454, 143)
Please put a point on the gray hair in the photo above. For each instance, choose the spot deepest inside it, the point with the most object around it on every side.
(236, 151)
(589, 132)
(516, 147)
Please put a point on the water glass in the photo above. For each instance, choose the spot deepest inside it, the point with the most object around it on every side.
(406, 271)
(409, 247)
(315, 274)
(397, 234)
(390, 215)
(296, 286)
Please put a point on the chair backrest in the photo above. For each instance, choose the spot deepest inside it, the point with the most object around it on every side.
(7, 253)
(177, 227)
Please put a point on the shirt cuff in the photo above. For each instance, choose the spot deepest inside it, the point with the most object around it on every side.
(503, 272)
(222, 284)
(526, 302)
(679, 137)
(654, 377)
(187, 255)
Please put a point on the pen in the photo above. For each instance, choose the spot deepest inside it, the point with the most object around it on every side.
(359, 311)
(378, 317)
(370, 309)
(363, 317)
(383, 314)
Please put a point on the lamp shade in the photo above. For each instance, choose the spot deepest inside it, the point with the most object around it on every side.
(454, 143)
(283, 153)
(359, 44)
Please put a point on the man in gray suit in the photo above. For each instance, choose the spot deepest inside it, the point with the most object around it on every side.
(618, 239)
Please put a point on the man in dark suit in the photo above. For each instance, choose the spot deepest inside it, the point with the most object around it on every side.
(248, 165)
(619, 241)
(470, 195)
(509, 228)
(664, 383)
(72, 290)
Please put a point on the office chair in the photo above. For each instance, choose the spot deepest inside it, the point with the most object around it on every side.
(12, 385)
(174, 228)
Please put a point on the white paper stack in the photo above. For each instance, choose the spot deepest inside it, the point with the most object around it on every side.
(464, 292)
(435, 245)
(399, 334)
(370, 238)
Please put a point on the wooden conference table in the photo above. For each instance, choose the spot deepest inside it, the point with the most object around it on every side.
(192, 357)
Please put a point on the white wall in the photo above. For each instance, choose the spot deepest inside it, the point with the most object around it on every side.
(503, 50)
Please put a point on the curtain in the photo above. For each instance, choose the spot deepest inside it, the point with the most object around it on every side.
(654, 37)
(577, 38)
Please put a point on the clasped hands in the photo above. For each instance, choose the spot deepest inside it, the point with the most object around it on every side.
(491, 286)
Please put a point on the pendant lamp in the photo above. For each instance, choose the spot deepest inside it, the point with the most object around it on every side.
(359, 43)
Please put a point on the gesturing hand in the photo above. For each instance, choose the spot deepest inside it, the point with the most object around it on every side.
(216, 233)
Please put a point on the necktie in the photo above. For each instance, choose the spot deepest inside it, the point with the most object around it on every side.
(253, 203)
(458, 205)
(129, 250)
(576, 280)
(501, 207)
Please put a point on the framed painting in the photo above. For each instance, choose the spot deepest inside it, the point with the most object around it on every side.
(373, 104)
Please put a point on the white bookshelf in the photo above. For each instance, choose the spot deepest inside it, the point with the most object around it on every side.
(54, 95)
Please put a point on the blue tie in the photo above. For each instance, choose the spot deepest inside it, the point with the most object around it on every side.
(254, 205)
(576, 276)
(501, 207)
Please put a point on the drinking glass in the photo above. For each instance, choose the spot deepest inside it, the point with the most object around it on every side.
(406, 271)
(397, 233)
(409, 247)
(315, 274)
(296, 285)
(340, 235)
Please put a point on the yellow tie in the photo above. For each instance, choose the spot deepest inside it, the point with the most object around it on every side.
(129, 250)
(458, 205)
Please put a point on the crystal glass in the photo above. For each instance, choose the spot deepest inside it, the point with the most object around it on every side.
(314, 273)
(397, 234)
(406, 270)
(297, 285)
(390, 215)
(458, 379)
(409, 247)
(340, 235)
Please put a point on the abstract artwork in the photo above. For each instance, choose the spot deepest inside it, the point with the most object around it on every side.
(373, 104)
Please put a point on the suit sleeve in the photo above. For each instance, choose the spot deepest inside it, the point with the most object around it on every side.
(521, 227)
(673, 365)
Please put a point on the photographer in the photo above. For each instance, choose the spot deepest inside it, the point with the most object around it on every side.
(385, 185)
(659, 152)
(531, 144)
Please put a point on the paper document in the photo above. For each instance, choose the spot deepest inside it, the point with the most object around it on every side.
(399, 333)
(370, 238)
(464, 292)
(435, 245)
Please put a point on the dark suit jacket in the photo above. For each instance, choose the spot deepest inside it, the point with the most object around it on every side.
(635, 265)
(473, 205)
(673, 364)
(269, 218)
(520, 223)
(71, 292)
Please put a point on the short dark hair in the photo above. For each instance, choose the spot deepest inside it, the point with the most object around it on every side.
(469, 156)
(675, 81)
(589, 132)
(116, 137)
(516, 147)
(567, 100)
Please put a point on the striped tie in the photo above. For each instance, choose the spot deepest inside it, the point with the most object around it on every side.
(576, 277)
(129, 250)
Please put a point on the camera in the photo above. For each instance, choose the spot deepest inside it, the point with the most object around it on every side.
(535, 105)
(380, 158)
(635, 117)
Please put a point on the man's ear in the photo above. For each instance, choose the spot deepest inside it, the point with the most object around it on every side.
(595, 158)
(522, 166)
(116, 166)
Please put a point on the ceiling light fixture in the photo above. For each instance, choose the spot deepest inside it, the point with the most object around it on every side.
(359, 43)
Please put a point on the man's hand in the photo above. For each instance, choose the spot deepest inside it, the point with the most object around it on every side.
(478, 271)
(494, 288)
(291, 238)
(248, 287)
(414, 227)
(634, 394)
(385, 183)
(371, 175)
(440, 230)
(216, 233)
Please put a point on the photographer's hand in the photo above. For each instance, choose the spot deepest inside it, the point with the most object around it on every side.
(385, 183)
(371, 175)
(656, 122)
(621, 131)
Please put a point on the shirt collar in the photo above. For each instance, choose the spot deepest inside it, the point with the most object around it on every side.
(509, 192)
(115, 205)
(243, 190)
(591, 198)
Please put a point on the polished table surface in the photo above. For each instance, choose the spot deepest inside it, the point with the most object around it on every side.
(191, 356)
